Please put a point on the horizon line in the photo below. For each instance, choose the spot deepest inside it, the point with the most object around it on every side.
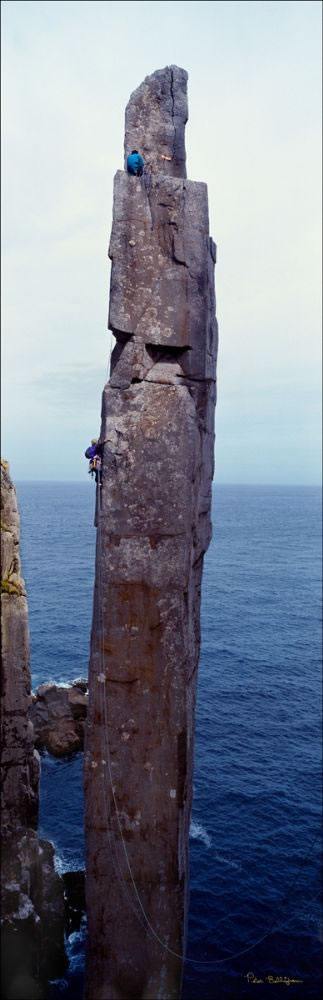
(77, 482)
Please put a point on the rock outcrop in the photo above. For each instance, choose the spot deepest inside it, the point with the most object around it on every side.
(32, 911)
(153, 530)
(155, 122)
(58, 716)
(32, 918)
(19, 761)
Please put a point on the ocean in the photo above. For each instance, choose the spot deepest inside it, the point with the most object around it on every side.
(255, 834)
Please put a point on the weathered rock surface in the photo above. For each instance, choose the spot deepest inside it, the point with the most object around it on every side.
(155, 122)
(32, 894)
(153, 530)
(32, 920)
(58, 716)
(19, 761)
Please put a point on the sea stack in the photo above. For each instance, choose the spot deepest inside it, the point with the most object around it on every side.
(153, 528)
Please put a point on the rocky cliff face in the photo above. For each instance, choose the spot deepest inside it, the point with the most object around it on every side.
(32, 911)
(20, 762)
(153, 529)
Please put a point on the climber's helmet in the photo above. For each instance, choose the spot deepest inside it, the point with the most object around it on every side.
(134, 151)
(94, 441)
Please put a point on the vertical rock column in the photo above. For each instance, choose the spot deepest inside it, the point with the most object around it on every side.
(153, 529)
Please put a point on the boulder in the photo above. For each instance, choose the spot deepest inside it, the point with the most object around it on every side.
(58, 716)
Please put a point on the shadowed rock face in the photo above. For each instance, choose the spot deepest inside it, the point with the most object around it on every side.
(153, 529)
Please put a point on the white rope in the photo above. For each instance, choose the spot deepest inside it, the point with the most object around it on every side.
(147, 923)
(105, 750)
(191, 961)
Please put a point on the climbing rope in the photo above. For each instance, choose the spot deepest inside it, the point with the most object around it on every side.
(105, 747)
(147, 925)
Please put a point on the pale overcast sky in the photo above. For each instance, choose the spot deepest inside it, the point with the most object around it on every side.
(253, 136)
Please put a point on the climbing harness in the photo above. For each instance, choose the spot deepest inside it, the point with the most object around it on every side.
(95, 467)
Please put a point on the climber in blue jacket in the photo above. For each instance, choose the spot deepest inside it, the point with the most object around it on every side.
(135, 163)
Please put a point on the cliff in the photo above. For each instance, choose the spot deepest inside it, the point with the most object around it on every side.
(153, 530)
(20, 762)
(32, 912)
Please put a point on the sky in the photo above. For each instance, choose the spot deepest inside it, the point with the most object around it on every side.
(253, 135)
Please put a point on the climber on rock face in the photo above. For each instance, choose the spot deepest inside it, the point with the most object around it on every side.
(94, 453)
(135, 163)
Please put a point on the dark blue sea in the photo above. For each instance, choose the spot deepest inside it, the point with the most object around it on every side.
(255, 843)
